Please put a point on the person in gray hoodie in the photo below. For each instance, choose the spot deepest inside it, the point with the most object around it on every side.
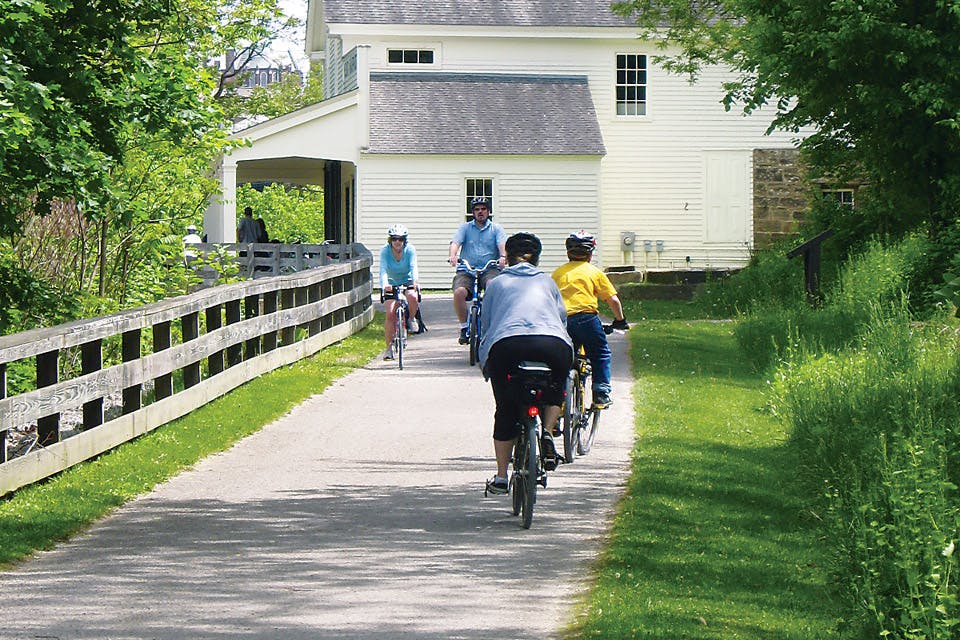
(524, 318)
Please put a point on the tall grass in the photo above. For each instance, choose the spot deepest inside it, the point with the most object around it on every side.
(876, 429)
(871, 399)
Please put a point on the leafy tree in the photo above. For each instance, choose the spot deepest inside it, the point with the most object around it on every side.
(291, 213)
(277, 98)
(879, 80)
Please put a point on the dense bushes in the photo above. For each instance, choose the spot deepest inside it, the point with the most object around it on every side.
(871, 397)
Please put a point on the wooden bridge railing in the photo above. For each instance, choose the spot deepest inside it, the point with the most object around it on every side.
(264, 260)
(177, 355)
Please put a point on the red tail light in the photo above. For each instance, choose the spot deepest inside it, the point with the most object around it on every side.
(533, 411)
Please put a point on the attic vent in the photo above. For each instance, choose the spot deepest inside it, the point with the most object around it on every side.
(410, 56)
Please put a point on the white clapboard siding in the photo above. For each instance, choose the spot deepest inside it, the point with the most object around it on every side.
(546, 196)
(651, 182)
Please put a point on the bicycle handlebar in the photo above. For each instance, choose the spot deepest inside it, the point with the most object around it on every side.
(472, 269)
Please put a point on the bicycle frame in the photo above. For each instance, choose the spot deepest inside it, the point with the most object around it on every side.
(473, 319)
(402, 312)
(532, 379)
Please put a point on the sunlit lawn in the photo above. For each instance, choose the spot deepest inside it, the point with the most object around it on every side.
(711, 540)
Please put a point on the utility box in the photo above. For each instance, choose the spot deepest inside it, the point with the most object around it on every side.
(627, 240)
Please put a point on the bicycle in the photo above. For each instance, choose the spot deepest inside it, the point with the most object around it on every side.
(581, 415)
(402, 312)
(529, 470)
(473, 319)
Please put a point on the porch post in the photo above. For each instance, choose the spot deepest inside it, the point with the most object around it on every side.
(220, 218)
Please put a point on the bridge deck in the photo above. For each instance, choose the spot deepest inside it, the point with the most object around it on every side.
(351, 517)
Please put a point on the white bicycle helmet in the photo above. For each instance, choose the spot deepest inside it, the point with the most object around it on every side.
(397, 231)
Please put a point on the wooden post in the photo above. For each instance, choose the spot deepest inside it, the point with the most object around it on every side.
(163, 385)
(811, 265)
(313, 295)
(91, 360)
(48, 427)
(234, 351)
(190, 325)
(130, 349)
(270, 299)
(214, 322)
(3, 394)
(251, 309)
(288, 335)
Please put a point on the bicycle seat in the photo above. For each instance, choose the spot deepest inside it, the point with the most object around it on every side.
(529, 366)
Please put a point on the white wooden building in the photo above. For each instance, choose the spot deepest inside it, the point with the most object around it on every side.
(555, 110)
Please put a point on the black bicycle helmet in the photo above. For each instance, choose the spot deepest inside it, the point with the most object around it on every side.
(581, 243)
(524, 245)
(479, 200)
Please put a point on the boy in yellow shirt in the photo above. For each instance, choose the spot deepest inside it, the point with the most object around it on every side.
(582, 286)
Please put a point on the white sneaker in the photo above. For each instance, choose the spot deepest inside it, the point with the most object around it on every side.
(388, 355)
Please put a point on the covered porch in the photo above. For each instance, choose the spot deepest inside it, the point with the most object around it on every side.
(316, 145)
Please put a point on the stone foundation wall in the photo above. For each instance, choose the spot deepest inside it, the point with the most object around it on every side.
(780, 195)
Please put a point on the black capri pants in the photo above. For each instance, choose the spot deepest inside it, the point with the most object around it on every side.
(504, 357)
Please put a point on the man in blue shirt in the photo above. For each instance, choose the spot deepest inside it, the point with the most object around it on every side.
(476, 242)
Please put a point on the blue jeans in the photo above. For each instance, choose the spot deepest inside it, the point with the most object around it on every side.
(587, 330)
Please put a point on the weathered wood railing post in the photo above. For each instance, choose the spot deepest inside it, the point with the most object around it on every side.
(190, 326)
(214, 315)
(3, 394)
(270, 299)
(234, 352)
(288, 335)
(48, 427)
(130, 351)
(163, 385)
(251, 309)
(91, 361)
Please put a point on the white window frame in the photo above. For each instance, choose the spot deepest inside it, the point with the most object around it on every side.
(843, 196)
(627, 85)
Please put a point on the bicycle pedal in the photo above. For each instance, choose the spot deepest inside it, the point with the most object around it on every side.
(542, 480)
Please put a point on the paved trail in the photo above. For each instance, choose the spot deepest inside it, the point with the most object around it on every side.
(358, 515)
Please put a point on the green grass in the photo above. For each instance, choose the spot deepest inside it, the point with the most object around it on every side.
(711, 539)
(39, 516)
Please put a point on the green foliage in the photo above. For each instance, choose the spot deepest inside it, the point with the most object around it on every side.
(292, 214)
(278, 98)
(27, 301)
(870, 284)
(769, 279)
(875, 429)
(878, 80)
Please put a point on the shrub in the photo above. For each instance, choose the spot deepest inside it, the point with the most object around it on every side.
(875, 429)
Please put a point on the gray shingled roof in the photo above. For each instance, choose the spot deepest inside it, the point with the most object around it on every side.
(519, 13)
(497, 114)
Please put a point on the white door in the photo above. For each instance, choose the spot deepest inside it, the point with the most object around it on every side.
(726, 197)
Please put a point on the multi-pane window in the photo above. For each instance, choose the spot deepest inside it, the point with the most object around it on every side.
(631, 84)
(841, 196)
(479, 187)
(410, 56)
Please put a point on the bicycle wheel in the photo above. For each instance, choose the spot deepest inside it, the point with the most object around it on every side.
(399, 342)
(570, 417)
(530, 468)
(474, 332)
(588, 430)
(517, 486)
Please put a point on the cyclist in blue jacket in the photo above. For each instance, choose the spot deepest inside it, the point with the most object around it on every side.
(398, 268)
(524, 318)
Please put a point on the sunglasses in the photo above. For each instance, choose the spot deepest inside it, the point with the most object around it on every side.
(392, 238)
